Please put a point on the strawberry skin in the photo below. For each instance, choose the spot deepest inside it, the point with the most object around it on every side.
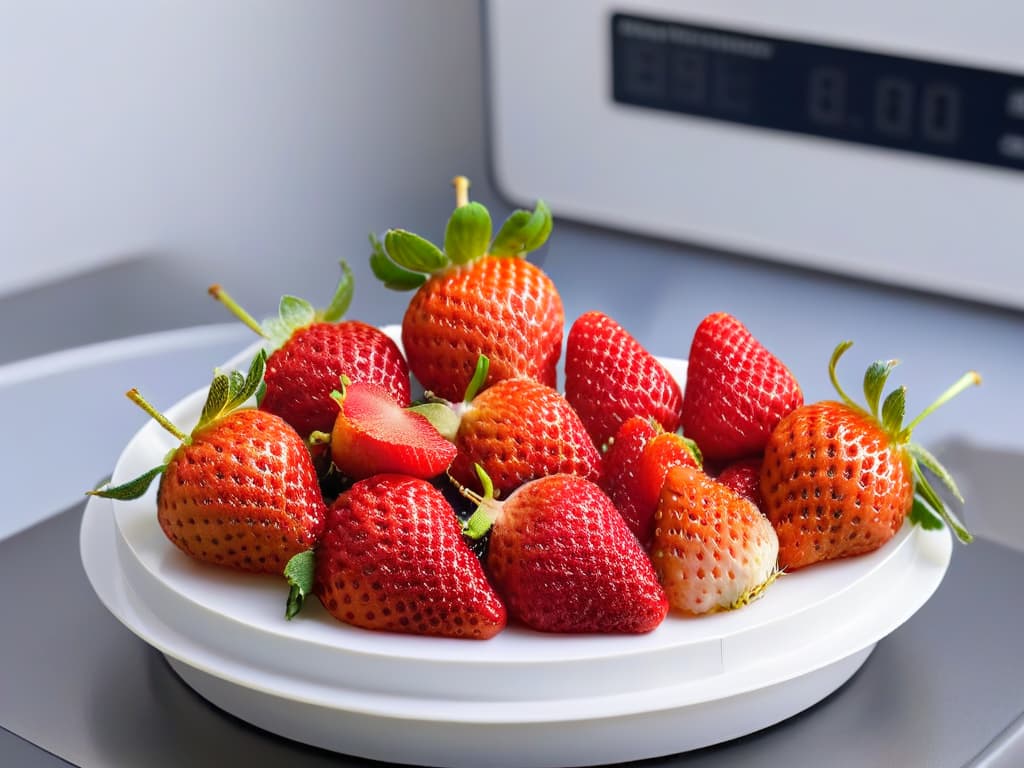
(242, 494)
(736, 390)
(504, 308)
(373, 435)
(520, 430)
(833, 484)
(393, 558)
(302, 374)
(610, 376)
(564, 561)
(712, 548)
(744, 477)
(620, 468)
(663, 452)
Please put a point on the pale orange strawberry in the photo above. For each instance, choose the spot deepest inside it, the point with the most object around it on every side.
(240, 491)
(839, 479)
(713, 550)
(476, 297)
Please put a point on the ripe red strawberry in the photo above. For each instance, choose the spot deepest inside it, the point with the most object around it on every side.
(838, 479)
(392, 558)
(240, 491)
(634, 470)
(744, 477)
(736, 390)
(477, 297)
(610, 376)
(373, 435)
(520, 430)
(313, 349)
(712, 548)
(564, 561)
(620, 467)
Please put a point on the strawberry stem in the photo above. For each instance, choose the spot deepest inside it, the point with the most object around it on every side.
(461, 184)
(236, 309)
(969, 379)
(487, 510)
(836, 354)
(483, 366)
(134, 395)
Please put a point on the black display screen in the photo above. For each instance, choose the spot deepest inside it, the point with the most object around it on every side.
(937, 109)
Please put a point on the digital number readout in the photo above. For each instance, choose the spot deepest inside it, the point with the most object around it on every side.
(933, 108)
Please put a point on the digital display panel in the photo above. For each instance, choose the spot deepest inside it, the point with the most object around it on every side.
(928, 107)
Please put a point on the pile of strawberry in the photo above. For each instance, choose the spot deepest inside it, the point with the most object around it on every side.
(496, 497)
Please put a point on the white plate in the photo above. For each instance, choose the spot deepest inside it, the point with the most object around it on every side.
(523, 697)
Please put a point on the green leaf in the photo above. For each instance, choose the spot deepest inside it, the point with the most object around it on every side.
(216, 398)
(389, 273)
(261, 392)
(299, 572)
(922, 514)
(342, 296)
(523, 231)
(924, 489)
(254, 378)
(236, 383)
(295, 313)
(442, 417)
(893, 410)
(133, 489)
(874, 382)
(468, 233)
(413, 252)
(933, 465)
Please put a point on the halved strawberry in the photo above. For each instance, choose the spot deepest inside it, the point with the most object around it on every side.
(311, 349)
(610, 376)
(563, 559)
(713, 549)
(392, 557)
(736, 390)
(373, 434)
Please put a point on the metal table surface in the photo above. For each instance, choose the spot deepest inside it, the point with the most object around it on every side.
(84, 689)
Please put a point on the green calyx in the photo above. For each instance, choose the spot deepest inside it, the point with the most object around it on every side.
(227, 393)
(403, 260)
(480, 522)
(293, 313)
(929, 511)
(300, 573)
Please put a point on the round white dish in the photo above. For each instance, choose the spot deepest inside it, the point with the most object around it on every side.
(522, 698)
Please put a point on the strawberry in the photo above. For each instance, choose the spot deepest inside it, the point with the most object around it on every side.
(609, 377)
(477, 297)
(712, 548)
(634, 469)
(392, 558)
(564, 561)
(312, 349)
(744, 477)
(240, 491)
(620, 467)
(661, 453)
(373, 434)
(839, 479)
(736, 390)
(519, 430)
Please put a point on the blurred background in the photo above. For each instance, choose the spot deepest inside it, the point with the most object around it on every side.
(151, 149)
